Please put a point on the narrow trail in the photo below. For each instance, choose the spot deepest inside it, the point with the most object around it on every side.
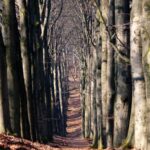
(74, 139)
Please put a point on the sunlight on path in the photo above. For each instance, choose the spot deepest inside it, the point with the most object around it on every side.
(74, 139)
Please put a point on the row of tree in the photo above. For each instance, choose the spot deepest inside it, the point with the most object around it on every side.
(31, 69)
(115, 72)
(111, 40)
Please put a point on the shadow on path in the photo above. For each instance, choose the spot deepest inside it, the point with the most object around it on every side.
(73, 137)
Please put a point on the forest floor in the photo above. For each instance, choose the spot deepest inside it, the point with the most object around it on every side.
(73, 140)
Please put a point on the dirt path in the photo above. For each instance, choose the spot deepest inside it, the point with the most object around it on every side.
(74, 139)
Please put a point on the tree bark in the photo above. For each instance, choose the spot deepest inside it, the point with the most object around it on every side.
(138, 77)
(146, 59)
(110, 76)
(93, 98)
(87, 100)
(122, 71)
(2, 49)
(104, 10)
(10, 43)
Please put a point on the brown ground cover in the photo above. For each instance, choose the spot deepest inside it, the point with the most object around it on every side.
(73, 140)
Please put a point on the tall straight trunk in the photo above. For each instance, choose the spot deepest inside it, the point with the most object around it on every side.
(48, 90)
(82, 91)
(93, 99)
(98, 80)
(33, 45)
(9, 41)
(146, 58)
(16, 87)
(64, 76)
(87, 100)
(56, 94)
(52, 94)
(57, 106)
(5, 113)
(110, 76)
(61, 100)
(91, 93)
(32, 55)
(47, 65)
(139, 91)
(55, 77)
(42, 99)
(22, 22)
(98, 99)
(104, 9)
(2, 49)
(52, 83)
(122, 71)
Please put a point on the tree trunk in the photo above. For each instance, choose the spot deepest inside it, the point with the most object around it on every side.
(87, 100)
(5, 114)
(138, 77)
(123, 77)
(104, 9)
(61, 100)
(110, 76)
(93, 99)
(10, 43)
(22, 26)
(2, 49)
(146, 59)
(82, 91)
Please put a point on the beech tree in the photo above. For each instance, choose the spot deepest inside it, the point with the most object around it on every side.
(123, 74)
(2, 51)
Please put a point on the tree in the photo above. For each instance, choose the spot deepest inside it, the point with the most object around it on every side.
(2, 50)
(110, 74)
(138, 77)
(16, 88)
(122, 72)
(145, 34)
